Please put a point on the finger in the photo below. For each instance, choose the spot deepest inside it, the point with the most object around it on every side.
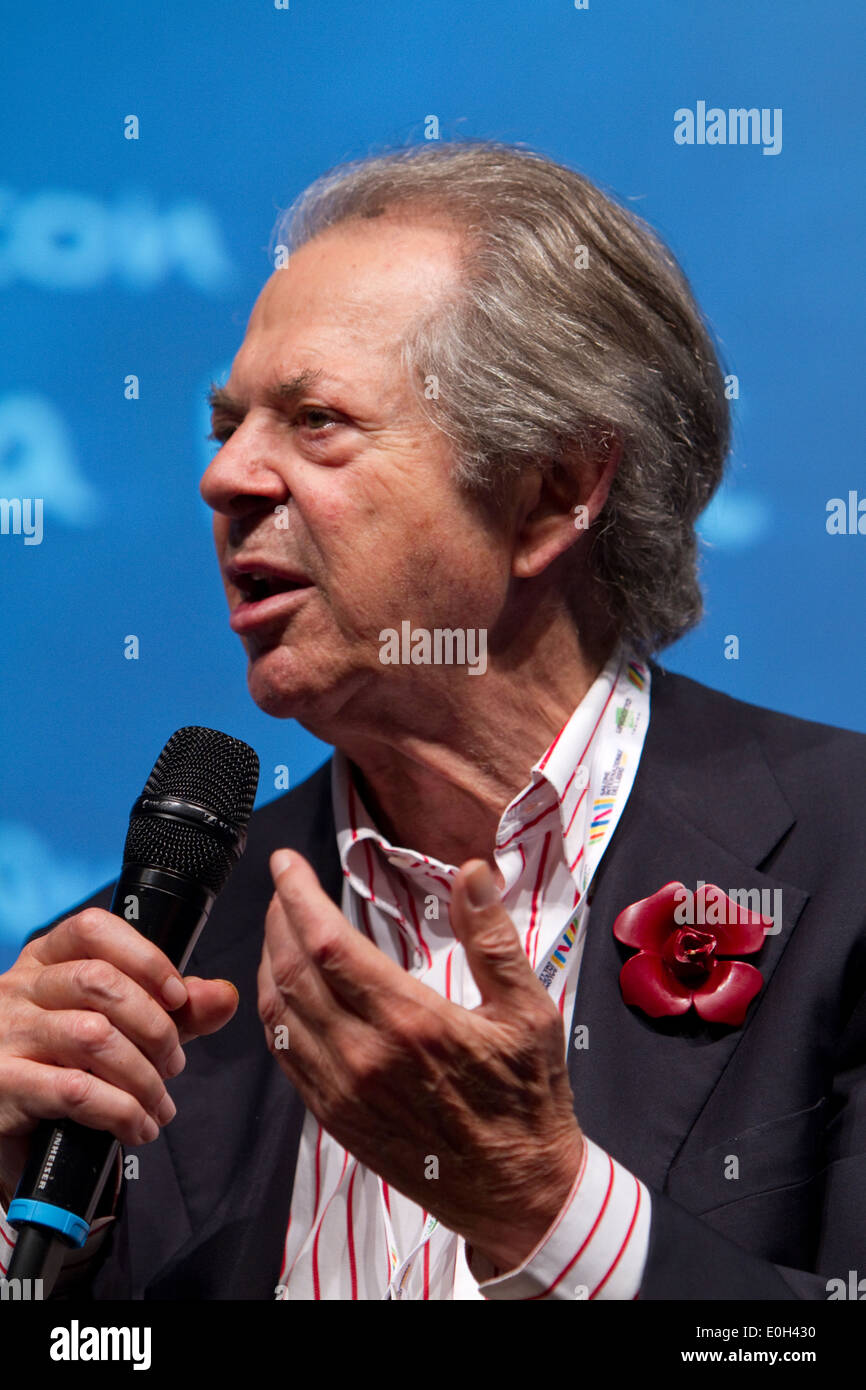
(88, 1040)
(375, 1015)
(210, 1006)
(353, 969)
(98, 985)
(493, 950)
(313, 1056)
(96, 934)
(32, 1091)
(293, 973)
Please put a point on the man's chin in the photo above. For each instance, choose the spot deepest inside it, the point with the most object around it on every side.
(285, 688)
(282, 698)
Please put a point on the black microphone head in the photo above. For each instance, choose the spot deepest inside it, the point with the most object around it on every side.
(213, 769)
(192, 815)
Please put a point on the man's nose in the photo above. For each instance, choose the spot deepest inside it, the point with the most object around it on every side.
(242, 477)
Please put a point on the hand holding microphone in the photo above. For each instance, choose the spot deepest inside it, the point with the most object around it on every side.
(93, 1014)
(90, 1027)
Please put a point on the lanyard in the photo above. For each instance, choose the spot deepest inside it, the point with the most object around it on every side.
(612, 767)
(401, 1269)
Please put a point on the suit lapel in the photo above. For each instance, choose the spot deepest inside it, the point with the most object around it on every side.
(698, 810)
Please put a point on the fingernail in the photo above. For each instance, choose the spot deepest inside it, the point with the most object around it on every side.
(480, 887)
(230, 985)
(166, 1110)
(149, 1131)
(173, 992)
(280, 861)
(176, 1062)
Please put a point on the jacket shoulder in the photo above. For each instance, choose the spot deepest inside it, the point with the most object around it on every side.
(690, 717)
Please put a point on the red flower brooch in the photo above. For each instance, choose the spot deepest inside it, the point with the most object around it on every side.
(680, 937)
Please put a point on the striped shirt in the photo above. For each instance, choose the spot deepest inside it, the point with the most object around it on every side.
(350, 1236)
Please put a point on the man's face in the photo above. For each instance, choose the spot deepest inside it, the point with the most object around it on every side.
(331, 479)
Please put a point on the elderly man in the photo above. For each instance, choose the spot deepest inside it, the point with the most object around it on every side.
(491, 1039)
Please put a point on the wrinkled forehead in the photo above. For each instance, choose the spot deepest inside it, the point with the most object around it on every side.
(370, 277)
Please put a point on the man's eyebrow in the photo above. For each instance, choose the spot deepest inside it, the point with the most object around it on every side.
(287, 392)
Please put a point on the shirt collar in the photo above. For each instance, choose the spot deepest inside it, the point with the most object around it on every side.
(559, 778)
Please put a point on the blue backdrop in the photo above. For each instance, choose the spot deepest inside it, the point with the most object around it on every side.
(142, 257)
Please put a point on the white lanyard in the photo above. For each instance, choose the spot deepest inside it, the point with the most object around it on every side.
(400, 1270)
(613, 764)
(613, 767)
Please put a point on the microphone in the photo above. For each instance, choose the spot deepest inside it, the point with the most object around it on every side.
(186, 832)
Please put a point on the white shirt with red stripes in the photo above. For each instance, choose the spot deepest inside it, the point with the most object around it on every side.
(349, 1235)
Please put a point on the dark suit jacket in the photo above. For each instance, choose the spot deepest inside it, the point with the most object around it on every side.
(726, 792)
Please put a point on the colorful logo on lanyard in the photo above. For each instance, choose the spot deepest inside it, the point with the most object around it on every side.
(636, 674)
(602, 808)
(559, 958)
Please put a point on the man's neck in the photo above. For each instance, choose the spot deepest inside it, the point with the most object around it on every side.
(441, 790)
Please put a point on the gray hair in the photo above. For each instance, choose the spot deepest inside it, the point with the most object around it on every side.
(537, 357)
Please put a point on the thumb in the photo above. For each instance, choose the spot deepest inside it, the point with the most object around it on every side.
(495, 956)
(209, 1006)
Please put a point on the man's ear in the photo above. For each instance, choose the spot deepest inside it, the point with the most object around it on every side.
(560, 503)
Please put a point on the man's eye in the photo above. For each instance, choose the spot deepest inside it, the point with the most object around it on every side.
(316, 417)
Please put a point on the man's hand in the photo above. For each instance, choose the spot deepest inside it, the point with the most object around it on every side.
(92, 1018)
(399, 1075)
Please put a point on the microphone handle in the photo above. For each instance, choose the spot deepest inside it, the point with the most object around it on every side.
(68, 1163)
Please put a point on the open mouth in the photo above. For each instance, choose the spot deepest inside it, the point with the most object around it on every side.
(265, 597)
(254, 588)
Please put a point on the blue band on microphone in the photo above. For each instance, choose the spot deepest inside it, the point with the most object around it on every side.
(74, 1228)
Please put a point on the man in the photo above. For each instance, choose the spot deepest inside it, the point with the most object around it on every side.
(464, 445)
